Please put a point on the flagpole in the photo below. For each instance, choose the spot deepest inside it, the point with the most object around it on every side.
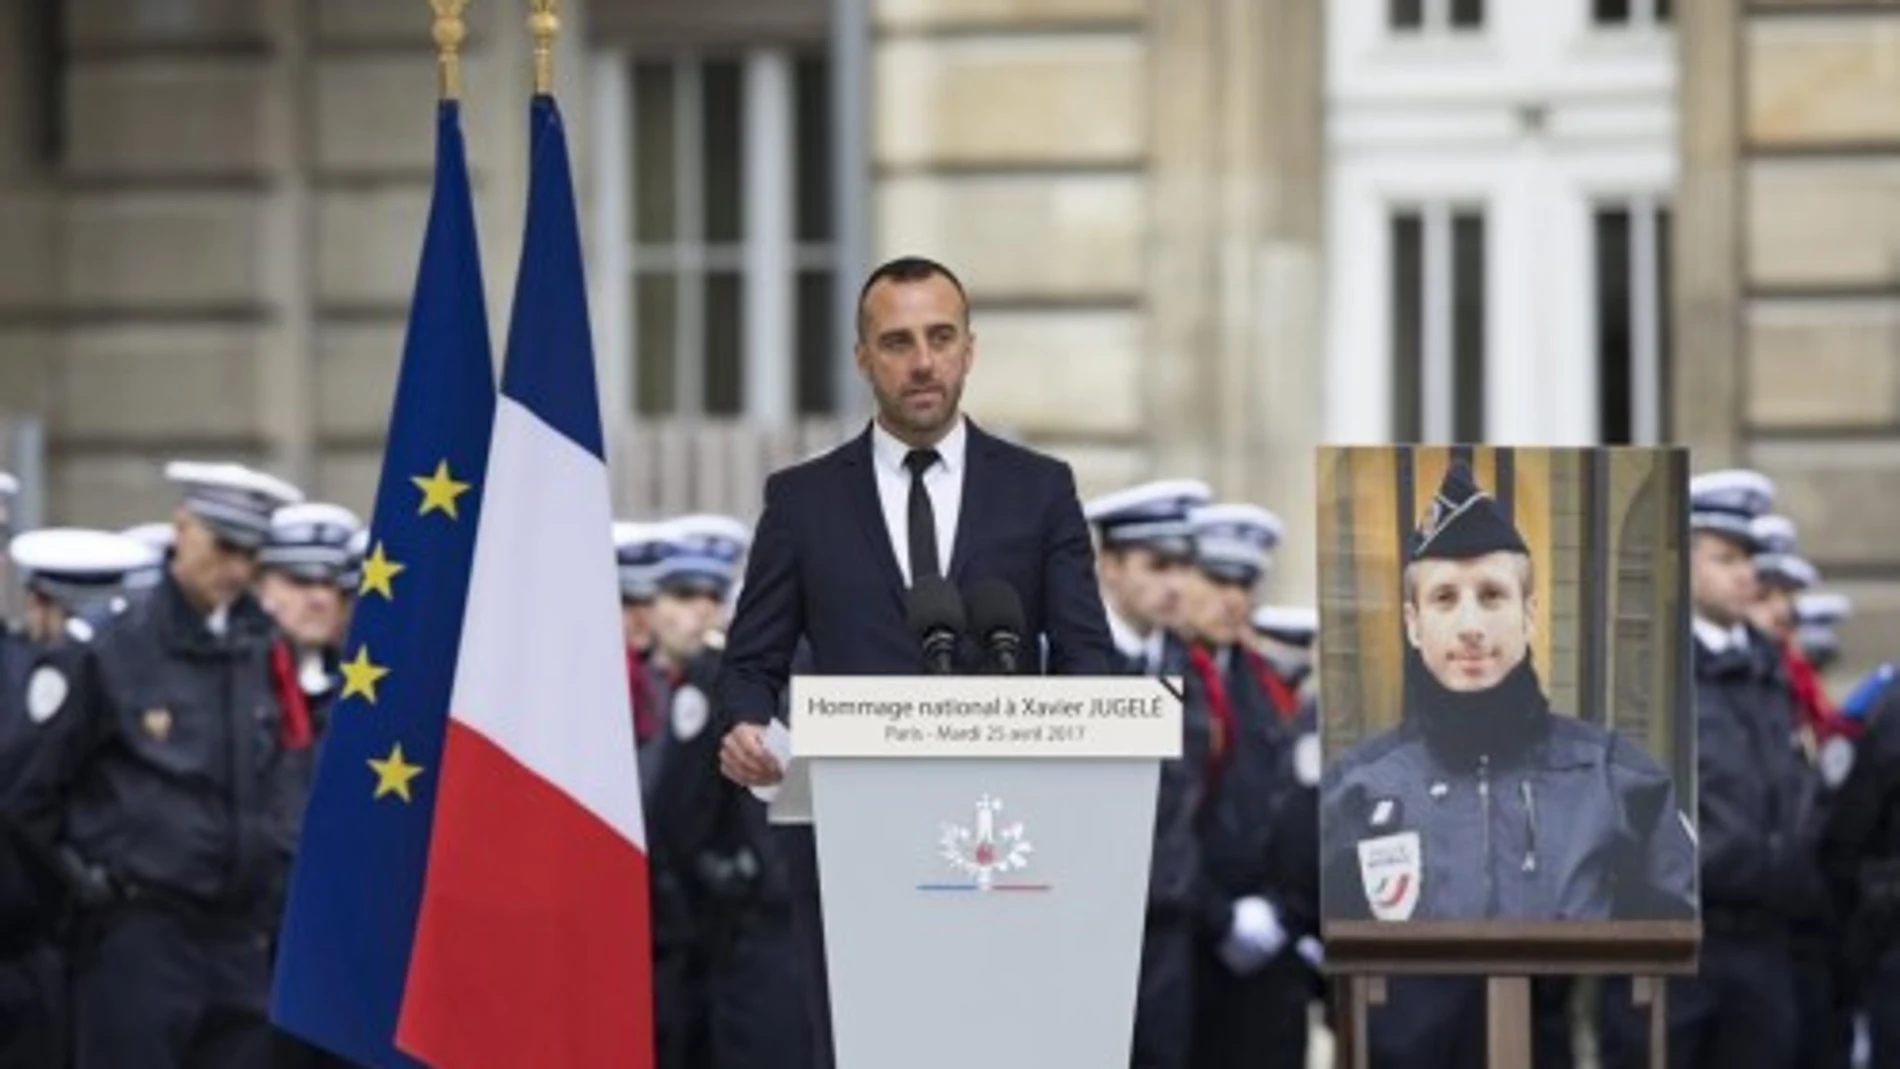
(450, 32)
(543, 23)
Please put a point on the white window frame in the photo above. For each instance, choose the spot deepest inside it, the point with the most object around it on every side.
(769, 257)
(1444, 120)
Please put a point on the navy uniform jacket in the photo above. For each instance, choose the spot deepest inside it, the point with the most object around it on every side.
(822, 568)
(30, 891)
(1758, 797)
(165, 767)
(1581, 826)
(1239, 817)
(1175, 866)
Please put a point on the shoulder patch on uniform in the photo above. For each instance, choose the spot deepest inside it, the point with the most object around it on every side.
(1836, 760)
(690, 713)
(46, 693)
(1306, 759)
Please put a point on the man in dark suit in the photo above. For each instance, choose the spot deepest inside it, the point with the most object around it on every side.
(922, 492)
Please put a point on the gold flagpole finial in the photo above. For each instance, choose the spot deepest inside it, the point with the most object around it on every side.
(450, 32)
(543, 24)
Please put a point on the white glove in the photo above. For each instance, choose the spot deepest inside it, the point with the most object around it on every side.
(1254, 937)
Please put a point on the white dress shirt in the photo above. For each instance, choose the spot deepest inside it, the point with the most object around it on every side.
(943, 481)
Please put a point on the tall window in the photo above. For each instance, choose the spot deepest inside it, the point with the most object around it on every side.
(732, 243)
(1632, 319)
(1435, 16)
(1438, 334)
(1629, 13)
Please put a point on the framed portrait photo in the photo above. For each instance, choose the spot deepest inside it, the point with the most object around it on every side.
(1506, 710)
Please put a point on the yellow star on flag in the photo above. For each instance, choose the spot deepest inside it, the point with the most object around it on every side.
(378, 570)
(439, 491)
(393, 774)
(360, 675)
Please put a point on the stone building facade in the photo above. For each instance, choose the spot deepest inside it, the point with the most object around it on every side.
(210, 211)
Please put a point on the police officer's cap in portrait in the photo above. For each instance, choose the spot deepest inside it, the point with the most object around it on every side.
(235, 501)
(1463, 521)
(1729, 502)
(1234, 542)
(638, 549)
(1151, 516)
(76, 566)
(311, 540)
(1295, 625)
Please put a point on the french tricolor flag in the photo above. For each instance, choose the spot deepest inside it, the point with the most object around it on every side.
(532, 944)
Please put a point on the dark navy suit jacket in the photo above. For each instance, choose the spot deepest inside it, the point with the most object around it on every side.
(822, 568)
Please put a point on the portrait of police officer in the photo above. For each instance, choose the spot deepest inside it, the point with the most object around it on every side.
(1484, 803)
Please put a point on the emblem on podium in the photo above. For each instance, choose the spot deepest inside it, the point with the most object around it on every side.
(986, 851)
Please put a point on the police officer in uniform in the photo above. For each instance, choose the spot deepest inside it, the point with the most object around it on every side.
(1284, 635)
(1484, 803)
(1252, 989)
(66, 571)
(1756, 806)
(1861, 852)
(303, 568)
(1145, 546)
(1825, 1026)
(718, 831)
(637, 548)
(1816, 615)
(163, 779)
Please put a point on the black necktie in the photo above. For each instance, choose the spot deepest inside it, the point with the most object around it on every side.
(923, 519)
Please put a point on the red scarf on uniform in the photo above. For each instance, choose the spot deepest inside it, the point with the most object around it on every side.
(293, 732)
(644, 722)
(1815, 712)
(1285, 702)
(1221, 728)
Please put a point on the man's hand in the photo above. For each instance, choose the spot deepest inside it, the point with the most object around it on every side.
(744, 759)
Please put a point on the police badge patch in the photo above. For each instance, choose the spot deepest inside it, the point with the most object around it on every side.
(45, 693)
(690, 713)
(1836, 760)
(1391, 869)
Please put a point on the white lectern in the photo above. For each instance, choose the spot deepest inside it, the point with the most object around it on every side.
(983, 850)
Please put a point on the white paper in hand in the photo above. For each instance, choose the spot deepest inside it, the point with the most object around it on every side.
(778, 743)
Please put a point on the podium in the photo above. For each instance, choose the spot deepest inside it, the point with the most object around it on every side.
(983, 851)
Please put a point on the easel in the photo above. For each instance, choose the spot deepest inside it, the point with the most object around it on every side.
(1507, 956)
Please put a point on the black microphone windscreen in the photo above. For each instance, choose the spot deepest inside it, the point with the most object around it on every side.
(933, 605)
(994, 606)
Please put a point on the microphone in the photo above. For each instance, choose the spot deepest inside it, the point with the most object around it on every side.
(996, 618)
(935, 615)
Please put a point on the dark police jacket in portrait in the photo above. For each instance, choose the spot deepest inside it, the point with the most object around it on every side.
(1490, 806)
(166, 771)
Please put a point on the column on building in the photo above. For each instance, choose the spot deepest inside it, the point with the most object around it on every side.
(1787, 316)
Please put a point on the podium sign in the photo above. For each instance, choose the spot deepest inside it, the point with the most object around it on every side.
(983, 851)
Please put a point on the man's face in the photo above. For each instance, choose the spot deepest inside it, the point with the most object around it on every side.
(211, 572)
(45, 619)
(309, 611)
(636, 623)
(1144, 586)
(915, 350)
(1471, 621)
(1214, 610)
(680, 622)
(1772, 611)
(1721, 578)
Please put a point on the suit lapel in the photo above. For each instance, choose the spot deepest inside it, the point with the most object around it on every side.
(861, 475)
(972, 517)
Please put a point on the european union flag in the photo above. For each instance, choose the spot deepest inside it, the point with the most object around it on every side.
(357, 884)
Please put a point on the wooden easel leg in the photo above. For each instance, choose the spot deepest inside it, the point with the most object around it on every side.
(1507, 1021)
(1364, 992)
(1653, 992)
